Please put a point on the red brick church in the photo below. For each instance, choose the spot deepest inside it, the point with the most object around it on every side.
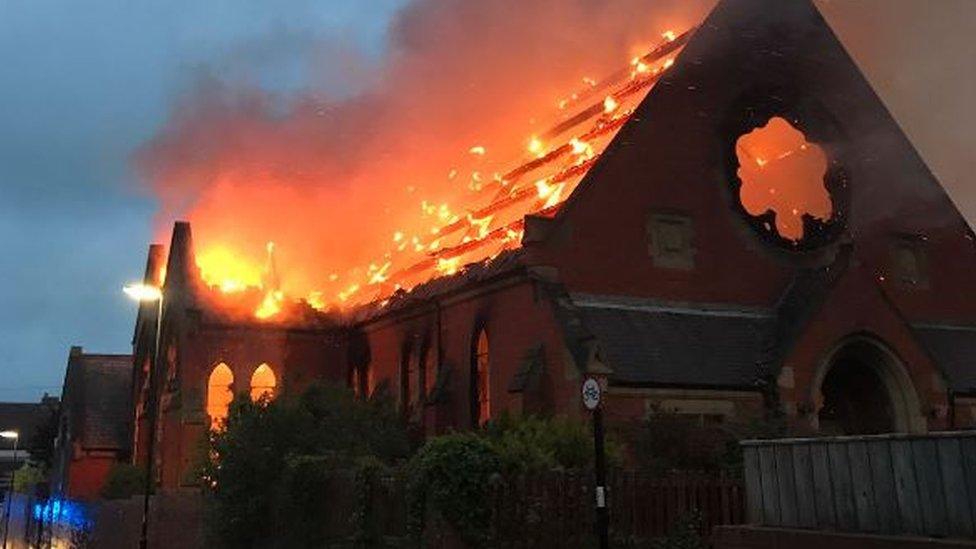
(674, 270)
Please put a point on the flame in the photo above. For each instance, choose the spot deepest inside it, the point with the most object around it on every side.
(536, 147)
(785, 176)
(448, 266)
(270, 305)
(447, 233)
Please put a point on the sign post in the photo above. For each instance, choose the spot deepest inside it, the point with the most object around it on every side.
(592, 396)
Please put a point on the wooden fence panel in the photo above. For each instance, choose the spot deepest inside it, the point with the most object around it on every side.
(823, 489)
(883, 481)
(892, 484)
(840, 474)
(934, 515)
(864, 503)
(954, 487)
(803, 475)
(906, 488)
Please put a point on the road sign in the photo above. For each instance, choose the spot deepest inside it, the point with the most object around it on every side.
(591, 393)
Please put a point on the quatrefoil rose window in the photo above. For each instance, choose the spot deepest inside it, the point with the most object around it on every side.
(783, 174)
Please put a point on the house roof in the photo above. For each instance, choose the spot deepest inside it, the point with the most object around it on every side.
(954, 350)
(655, 343)
(97, 399)
(25, 417)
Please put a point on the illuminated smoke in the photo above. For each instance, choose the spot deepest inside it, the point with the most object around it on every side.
(462, 89)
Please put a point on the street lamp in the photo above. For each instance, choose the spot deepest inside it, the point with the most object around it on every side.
(144, 293)
(15, 436)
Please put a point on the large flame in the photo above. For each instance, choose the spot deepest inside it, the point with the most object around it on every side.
(355, 229)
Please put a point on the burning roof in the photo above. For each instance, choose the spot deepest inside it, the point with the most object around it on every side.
(487, 221)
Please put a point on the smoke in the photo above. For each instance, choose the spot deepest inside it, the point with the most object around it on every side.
(330, 176)
(919, 58)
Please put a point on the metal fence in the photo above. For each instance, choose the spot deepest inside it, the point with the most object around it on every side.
(889, 484)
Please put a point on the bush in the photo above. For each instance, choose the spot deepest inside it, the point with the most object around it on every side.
(450, 475)
(28, 477)
(532, 444)
(286, 447)
(124, 481)
(668, 442)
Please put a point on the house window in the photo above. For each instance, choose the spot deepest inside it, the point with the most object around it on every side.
(219, 394)
(480, 381)
(263, 383)
(670, 239)
(907, 262)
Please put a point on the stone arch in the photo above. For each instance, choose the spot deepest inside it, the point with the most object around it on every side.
(264, 382)
(862, 387)
(220, 393)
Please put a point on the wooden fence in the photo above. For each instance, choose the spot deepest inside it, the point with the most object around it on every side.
(544, 510)
(534, 511)
(889, 484)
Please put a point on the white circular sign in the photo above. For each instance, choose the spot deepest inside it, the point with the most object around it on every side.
(591, 393)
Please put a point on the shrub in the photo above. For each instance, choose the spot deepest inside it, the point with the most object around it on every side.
(450, 475)
(286, 447)
(124, 481)
(28, 477)
(532, 444)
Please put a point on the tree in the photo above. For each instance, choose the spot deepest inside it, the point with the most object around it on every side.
(41, 443)
(266, 445)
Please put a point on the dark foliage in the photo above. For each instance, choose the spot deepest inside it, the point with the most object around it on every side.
(124, 481)
(272, 455)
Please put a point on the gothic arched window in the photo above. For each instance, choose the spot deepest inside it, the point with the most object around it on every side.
(480, 380)
(219, 394)
(263, 382)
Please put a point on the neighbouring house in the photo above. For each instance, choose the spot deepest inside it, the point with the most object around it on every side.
(757, 233)
(95, 423)
(26, 418)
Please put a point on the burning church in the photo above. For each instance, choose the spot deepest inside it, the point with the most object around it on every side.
(732, 223)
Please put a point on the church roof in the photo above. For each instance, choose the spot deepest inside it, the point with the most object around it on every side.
(655, 343)
(954, 350)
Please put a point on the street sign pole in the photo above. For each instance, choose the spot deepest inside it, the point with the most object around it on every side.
(602, 517)
(591, 393)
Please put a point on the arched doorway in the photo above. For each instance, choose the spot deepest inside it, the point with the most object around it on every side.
(863, 388)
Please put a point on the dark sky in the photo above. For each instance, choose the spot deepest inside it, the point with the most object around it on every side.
(83, 84)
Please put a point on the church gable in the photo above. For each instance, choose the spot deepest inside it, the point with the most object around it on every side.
(687, 202)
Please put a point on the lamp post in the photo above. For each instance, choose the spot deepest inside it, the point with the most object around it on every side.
(15, 436)
(144, 293)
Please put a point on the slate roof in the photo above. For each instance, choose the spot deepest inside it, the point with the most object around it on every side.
(653, 343)
(954, 350)
(97, 400)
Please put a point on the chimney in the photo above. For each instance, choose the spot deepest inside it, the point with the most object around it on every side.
(76, 351)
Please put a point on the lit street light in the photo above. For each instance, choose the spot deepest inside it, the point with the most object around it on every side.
(144, 293)
(15, 436)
